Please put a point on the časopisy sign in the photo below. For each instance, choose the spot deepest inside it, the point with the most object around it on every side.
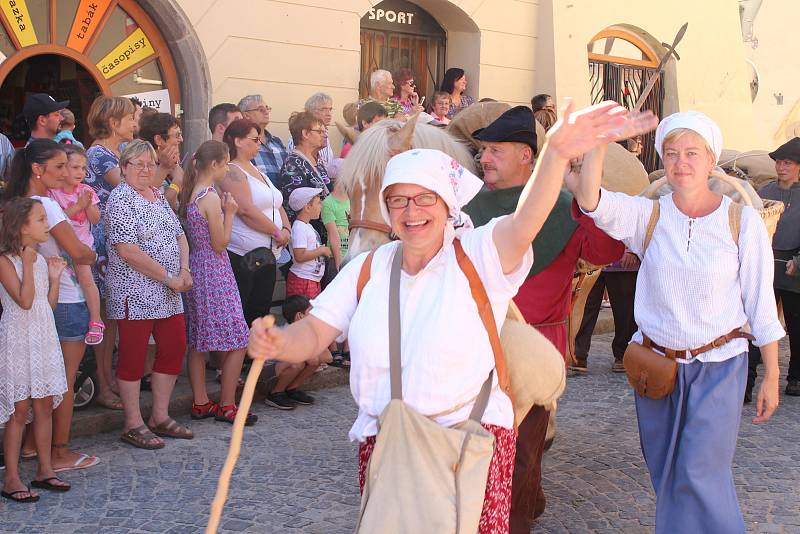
(131, 51)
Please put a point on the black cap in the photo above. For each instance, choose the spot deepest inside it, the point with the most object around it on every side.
(41, 104)
(515, 125)
(789, 150)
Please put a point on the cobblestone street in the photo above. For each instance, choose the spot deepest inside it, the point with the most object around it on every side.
(297, 472)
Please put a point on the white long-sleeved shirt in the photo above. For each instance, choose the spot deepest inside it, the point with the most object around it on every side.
(694, 283)
(445, 350)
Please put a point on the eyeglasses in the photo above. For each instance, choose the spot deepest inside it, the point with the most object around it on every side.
(256, 139)
(176, 135)
(139, 167)
(319, 130)
(262, 109)
(423, 200)
(409, 83)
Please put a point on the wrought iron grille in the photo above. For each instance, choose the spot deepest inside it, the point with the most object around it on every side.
(624, 83)
(424, 55)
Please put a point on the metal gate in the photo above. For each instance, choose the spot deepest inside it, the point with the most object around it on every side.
(424, 55)
(624, 83)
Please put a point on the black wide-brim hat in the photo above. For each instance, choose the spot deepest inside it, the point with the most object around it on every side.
(514, 126)
(789, 150)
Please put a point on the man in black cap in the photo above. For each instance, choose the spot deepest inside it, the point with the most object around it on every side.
(509, 152)
(42, 114)
(785, 245)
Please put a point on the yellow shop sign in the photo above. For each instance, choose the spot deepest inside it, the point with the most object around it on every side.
(16, 13)
(131, 51)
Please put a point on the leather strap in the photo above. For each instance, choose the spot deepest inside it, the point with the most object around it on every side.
(736, 333)
(370, 225)
(395, 361)
(487, 316)
(364, 275)
(651, 225)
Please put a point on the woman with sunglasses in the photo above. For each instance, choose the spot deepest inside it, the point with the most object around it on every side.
(164, 134)
(405, 92)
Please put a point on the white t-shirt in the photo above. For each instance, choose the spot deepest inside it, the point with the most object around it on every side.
(445, 350)
(69, 291)
(304, 236)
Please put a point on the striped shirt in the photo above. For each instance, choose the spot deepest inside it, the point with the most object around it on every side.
(694, 284)
(270, 157)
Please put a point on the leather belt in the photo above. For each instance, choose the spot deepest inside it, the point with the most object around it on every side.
(688, 354)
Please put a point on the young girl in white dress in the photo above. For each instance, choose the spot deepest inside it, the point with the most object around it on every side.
(32, 371)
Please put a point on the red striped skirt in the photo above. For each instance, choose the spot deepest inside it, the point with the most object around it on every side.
(497, 502)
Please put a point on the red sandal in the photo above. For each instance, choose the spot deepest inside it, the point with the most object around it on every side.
(228, 414)
(204, 411)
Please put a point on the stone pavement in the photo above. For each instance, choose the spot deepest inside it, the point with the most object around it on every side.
(297, 473)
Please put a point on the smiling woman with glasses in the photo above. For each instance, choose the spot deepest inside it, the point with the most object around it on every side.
(148, 268)
(164, 133)
(303, 167)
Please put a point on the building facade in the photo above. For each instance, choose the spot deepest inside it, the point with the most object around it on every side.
(186, 55)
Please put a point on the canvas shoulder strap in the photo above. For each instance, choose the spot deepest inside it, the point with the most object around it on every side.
(487, 316)
(651, 225)
(735, 221)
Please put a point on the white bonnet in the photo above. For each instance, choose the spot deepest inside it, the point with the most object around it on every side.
(692, 120)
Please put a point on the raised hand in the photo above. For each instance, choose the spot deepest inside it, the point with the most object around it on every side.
(28, 255)
(84, 200)
(168, 157)
(55, 266)
(229, 205)
(577, 132)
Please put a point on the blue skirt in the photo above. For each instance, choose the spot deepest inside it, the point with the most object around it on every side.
(688, 439)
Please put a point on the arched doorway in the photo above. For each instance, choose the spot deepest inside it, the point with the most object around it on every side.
(86, 47)
(620, 64)
(397, 34)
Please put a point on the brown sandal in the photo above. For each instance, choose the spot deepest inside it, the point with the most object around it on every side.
(142, 438)
(171, 429)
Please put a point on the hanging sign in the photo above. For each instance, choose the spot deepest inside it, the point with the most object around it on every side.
(16, 13)
(131, 51)
(86, 22)
(158, 99)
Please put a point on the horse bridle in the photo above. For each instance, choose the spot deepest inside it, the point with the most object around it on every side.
(371, 225)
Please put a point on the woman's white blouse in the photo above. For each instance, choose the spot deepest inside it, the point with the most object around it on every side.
(694, 285)
(445, 350)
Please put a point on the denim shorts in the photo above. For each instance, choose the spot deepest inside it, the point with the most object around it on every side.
(72, 321)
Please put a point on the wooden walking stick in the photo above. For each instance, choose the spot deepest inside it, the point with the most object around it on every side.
(236, 440)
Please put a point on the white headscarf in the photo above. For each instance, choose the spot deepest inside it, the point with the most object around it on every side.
(434, 170)
(695, 121)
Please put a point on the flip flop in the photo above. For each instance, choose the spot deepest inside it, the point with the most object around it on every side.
(46, 484)
(28, 455)
(93, 461)
(10, 496)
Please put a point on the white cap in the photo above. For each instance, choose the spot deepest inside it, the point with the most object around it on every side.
(302, 196)
(432, 170)
(695, 121)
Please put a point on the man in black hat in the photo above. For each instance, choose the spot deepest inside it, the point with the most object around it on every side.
(785, 245)
(42, 114)
(509, 152)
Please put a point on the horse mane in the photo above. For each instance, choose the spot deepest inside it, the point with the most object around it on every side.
(367, 160)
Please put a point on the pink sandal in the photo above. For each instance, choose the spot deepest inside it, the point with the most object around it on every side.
(93, 337)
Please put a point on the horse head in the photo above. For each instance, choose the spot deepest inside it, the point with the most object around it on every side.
(365, 165)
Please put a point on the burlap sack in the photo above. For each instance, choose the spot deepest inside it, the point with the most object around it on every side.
(623, 172)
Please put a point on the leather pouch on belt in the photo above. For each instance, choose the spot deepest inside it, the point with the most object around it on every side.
(651, 374)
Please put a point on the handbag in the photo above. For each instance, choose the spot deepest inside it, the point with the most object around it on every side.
(422, 476)
(650, 374)
(258, 258)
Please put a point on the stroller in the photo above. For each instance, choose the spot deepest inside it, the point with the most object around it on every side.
(85, 388)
